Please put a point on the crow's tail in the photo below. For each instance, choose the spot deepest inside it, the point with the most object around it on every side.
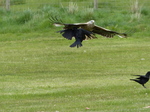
(135, 80)
(76, 43)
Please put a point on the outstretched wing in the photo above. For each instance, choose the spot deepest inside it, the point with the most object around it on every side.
(59, 22)
(106, 33)
(139, 75)
(74, 25)
(147, 75)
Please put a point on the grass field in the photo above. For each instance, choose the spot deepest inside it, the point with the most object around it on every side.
(39, 72)
(44, 74)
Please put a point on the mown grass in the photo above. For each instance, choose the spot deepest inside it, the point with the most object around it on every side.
(44, 74)
(41, 73)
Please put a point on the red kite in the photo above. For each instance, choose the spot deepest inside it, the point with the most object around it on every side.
(89, 26)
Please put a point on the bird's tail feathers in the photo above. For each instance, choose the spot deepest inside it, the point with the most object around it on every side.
(76, 43)
(135, 80)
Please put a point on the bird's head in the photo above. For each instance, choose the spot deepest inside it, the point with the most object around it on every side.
(91, 22)
(148, 74)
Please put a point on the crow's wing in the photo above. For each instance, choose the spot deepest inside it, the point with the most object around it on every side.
(80, 35)
(147, 75)
(68, 34)
(86, 34)
(141, 76)
(136, 80)
(143, 80)
(106, 33)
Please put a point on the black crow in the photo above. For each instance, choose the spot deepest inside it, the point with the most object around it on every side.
(142, 79)
(78, 33)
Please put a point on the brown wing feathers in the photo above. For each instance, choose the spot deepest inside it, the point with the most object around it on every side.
(104, 32)
(107, 33)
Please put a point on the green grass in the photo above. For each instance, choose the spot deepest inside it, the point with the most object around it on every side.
(39, 72)
(116, 15)
(44, 74)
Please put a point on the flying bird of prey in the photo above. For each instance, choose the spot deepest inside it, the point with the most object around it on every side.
(142, 79)
(79, 34)
(89, 26)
